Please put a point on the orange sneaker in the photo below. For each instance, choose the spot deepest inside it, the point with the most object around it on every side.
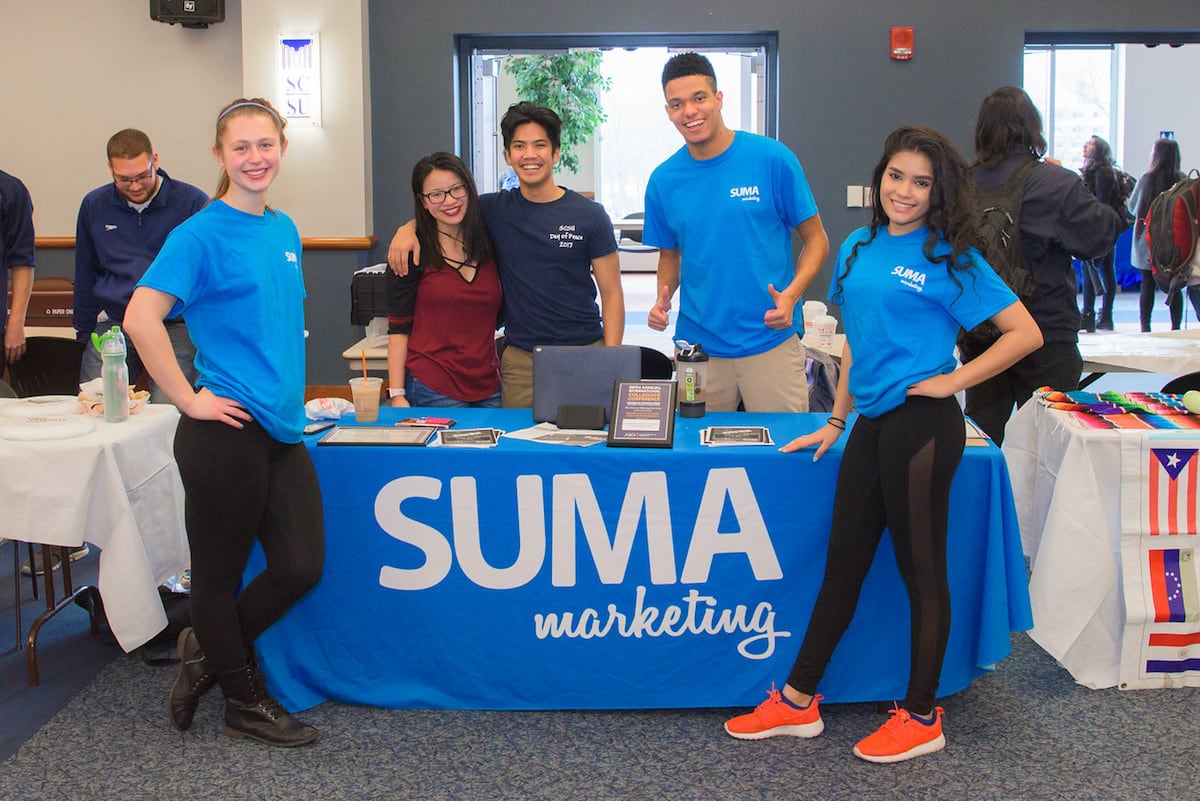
(903, 737)
(776, 716)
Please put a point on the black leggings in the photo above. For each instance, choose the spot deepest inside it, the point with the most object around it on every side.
(1148, 294)
(895, 473)
(242, 485)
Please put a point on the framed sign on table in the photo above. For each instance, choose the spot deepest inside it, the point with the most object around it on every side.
(643, 414)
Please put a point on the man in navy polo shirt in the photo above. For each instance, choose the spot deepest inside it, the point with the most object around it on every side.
(120, 229)
(17, 259)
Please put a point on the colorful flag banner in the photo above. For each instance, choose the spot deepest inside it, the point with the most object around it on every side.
(1160, 481)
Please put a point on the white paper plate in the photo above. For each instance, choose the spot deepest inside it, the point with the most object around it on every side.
(42, 405)
(36, 427)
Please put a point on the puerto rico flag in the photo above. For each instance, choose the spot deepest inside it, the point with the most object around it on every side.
(1172, 488)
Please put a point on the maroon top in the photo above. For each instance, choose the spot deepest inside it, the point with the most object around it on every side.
(451, 323)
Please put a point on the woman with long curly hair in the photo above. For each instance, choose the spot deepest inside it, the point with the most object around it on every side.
(906, 284)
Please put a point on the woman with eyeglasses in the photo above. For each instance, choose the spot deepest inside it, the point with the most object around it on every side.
(443, 315)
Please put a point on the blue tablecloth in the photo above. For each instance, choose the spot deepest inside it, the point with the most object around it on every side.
(535, 576)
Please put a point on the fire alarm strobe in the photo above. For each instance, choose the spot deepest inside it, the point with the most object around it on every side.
(902, 44)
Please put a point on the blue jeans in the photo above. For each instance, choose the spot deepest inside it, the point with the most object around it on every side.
(419, 394)
(181, 344)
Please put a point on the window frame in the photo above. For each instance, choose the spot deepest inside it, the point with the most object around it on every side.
(468, 45)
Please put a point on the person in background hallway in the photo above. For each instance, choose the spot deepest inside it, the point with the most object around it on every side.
(18, 258)
(1059, 219)
(1164, 172)
(907, 441)
(443, 314)
(234, 271)
(555, 249)
(729, 250)
(1099, 175)
(120, 228)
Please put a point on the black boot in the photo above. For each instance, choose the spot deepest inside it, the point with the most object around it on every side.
(251, 712)
(193, 681)
(1087, 322)
(1105, 323)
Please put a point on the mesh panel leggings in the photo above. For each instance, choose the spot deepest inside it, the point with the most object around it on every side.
(242, 485)
(895, 473)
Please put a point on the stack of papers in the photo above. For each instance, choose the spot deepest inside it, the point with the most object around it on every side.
(553, 435)
(469, 437)
(735, 435)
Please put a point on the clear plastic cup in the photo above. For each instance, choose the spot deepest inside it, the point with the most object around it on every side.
(366, 398)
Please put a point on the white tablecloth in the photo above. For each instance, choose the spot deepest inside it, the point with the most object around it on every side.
(117, 487)
(1067, 488)
(1165, 352)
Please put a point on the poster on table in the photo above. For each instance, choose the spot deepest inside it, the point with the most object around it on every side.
(1160, 547)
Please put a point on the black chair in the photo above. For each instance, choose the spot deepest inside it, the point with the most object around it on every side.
(50, 366)
(1181, 384)
(656, 364)
(631, 239)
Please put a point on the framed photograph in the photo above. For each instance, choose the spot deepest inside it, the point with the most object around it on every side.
(643, 414)
(377, 435)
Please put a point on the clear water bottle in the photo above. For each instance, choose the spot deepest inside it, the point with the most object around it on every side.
(114, 374)
(691, 364)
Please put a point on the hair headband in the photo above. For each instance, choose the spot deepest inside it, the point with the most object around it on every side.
(247, 103)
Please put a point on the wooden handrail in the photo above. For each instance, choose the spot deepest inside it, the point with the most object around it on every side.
(309, 242)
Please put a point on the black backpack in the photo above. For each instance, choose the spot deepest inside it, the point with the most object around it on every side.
(1000, 215)
(1122, 190)
(1172, 230)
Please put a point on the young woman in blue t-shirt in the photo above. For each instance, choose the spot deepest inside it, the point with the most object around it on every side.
(233, 269)
(905, 283)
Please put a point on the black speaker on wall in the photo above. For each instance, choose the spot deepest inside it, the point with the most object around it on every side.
(188, 13)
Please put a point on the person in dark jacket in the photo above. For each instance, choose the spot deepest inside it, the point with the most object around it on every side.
(17, 259)
(1059, 219)
(1099, 175)
(120, 229)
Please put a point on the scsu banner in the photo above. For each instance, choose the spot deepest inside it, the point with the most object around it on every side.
(533, 576)
(1160, 490)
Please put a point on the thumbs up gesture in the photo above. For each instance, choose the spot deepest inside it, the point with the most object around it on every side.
(779, 317)
(660, 312)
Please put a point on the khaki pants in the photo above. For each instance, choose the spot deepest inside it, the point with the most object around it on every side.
(774, 381)
(516, 377)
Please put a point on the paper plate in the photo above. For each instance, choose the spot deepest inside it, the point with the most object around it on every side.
(40, 406)
(35, 427)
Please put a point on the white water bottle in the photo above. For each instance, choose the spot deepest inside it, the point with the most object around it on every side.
(114, 374)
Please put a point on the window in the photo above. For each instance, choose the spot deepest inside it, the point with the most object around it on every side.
(636, 135)
(1075, 89)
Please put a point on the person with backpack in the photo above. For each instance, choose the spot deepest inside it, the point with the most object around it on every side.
(1163, 174)
(1057, 219)
(1099, 274)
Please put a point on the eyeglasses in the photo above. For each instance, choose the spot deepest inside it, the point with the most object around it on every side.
(125, 180)
(438, 196)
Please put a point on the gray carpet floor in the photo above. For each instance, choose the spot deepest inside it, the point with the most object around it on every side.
(1024, 732)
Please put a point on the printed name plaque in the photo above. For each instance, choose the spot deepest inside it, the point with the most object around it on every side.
(643, 414)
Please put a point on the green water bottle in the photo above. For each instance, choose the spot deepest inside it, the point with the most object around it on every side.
(114, 374)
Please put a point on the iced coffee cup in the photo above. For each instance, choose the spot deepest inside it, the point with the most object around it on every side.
(366, 398)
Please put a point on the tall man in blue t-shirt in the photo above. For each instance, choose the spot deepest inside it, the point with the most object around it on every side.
(120, 229)
(721, 211)
(549, 242)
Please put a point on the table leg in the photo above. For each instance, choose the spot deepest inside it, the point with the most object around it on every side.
(70, 594)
